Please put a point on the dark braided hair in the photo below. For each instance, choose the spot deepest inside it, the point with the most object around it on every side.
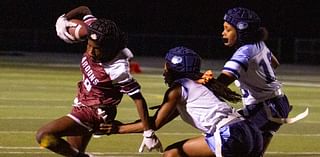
(222, 91)
(108, 36)
(183, 62)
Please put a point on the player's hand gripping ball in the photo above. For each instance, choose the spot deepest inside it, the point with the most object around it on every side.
(77, 29)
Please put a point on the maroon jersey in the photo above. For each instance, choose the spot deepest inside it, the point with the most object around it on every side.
(97, 86)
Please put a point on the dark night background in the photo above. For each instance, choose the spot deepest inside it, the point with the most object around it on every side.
(285, 19)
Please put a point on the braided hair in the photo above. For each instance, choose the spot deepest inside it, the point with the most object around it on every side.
(108, 36)
(222, 91)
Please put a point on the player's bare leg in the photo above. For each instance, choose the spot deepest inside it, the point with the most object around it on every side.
(79, 142)
(194, 147)
(50, 135)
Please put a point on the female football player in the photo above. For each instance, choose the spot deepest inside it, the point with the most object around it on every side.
(106, 78)
(204, 107)
(253, 64)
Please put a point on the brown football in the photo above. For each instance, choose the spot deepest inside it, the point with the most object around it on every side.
(79, 31)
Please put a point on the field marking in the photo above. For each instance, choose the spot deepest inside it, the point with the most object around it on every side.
(178, 119)
(168, 134)
(294, 153)
(37, 99)
(129, 154)
(301, 84)
(23, 148)
(55, 106)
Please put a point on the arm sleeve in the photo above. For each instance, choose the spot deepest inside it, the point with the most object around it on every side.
(130, 87)
(239, 61)
(89, 19)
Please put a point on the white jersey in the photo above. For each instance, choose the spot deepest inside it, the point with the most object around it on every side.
(200, 108)
(251, 65)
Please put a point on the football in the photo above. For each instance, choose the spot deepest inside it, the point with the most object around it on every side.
(78, 30)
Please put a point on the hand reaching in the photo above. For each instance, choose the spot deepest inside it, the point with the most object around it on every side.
(208, 75)
(110, 128)
(150, 142)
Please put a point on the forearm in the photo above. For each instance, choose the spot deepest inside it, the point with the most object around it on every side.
(226, 78)
(142, 110)
(143, 114)
(131, 128)
(78, 12)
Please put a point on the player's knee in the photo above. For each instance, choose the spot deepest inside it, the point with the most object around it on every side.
(44, 139)
(39, 135)
(170, 153)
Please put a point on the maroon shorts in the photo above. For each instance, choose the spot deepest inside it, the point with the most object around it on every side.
(90, 118)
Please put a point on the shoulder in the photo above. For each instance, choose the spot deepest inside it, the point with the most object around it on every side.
(245, 51)
(251, 50)
(174, 92)
(127, 52)
(182, 81)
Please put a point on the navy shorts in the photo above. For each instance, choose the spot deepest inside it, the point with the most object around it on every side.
(279, 107)
(241, 139)
(245, 140)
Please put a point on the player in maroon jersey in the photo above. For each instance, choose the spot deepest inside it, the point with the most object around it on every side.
(106, 78)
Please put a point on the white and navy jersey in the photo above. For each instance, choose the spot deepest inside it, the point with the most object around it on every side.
(199, 107)
(251, 65)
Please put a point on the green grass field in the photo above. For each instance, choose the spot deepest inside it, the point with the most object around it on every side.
(32, 95)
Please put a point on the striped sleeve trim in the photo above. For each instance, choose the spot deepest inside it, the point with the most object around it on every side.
(88, 19)
(244, 66)
(232, 71)
(130, 88)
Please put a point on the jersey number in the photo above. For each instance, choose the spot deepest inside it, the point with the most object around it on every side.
(267, 72)
(87, 84)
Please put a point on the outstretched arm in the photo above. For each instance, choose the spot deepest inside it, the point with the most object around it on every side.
(163, 115)
(142, 109)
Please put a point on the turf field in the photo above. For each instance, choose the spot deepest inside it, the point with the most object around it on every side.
(33, 93)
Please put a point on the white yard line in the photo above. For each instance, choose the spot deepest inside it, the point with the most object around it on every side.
(302, 84)
(134, 154)
(165, 134)
(294, 153)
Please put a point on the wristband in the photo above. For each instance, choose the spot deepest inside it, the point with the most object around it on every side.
(148, 133)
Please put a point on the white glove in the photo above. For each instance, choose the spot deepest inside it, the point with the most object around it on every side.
(150, 141)
(62, 32)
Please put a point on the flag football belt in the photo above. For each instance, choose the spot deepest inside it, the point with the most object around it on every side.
(279, 93)
(285, 120)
